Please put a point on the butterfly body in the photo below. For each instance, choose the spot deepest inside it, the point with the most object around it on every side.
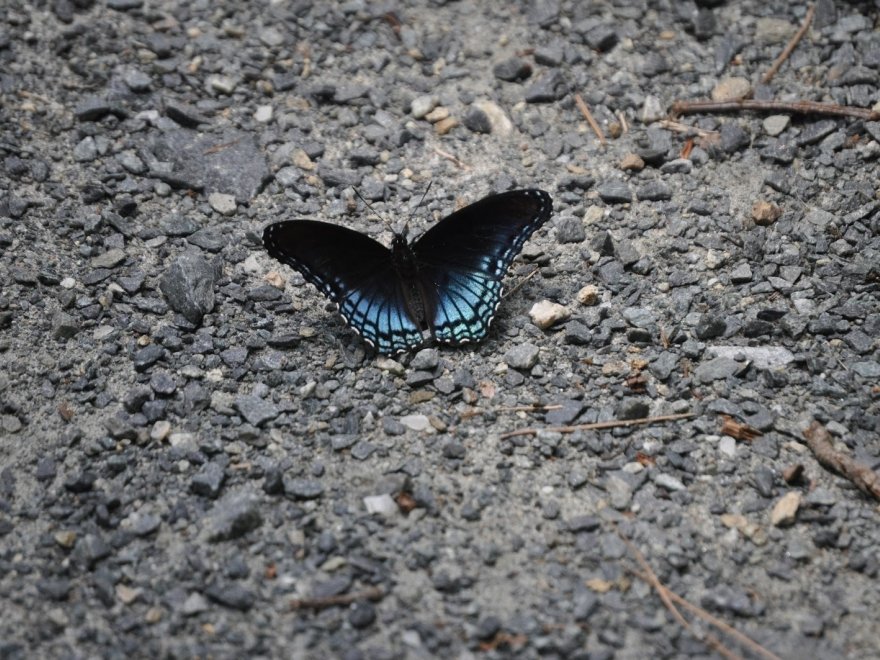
(445, 286)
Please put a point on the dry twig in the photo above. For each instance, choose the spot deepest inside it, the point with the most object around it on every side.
(667, 596)
(797, 107)
(622, 119)
(790, 46)
(597, 426)
(819, 442)
(678, 127)
(585, 111)
(709, 618)
(651, 578)
(453, 159)
(373, 593)
(505, 295)
(537, 407)
(731, 427)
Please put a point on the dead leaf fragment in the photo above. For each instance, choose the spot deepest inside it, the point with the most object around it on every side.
(765, 213)
(599, 585)
(632, 162)
(731, 427)
(785, 510)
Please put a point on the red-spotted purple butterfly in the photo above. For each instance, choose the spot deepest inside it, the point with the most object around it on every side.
(445, 286)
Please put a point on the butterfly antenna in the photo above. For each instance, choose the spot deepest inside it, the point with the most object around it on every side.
(424, 194)
(367, 204)
(418, 206)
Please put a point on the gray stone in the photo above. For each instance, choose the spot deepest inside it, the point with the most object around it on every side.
(820, 218)
(551, 86)
(86, 150)
(189, 286)
(222, 203)
(136, 397)
(109, 259)
(64, 326)
(522, 357)
(733, 138)
(866, 369)
(233, 516)
(570, 230)
(146, 357)
(761, 357)
(194, 604)
(668, 482)
(233, 596)
(663, 365)
(566, 414)
(208, 481)
(426, 359)
(717, 369)
(741, 274)
(255, 410)
(477, 121)
(640, 317)
(654, 191)
(422, 105)
(226, 161)
(137, 80)
(303, 489)
(614, 191)
(512, 69)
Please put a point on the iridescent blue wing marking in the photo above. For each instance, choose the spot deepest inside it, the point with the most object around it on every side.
(464, 257)
(353, 271)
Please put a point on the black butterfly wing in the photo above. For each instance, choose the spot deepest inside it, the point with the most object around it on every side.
(353, 271)
(464, 257)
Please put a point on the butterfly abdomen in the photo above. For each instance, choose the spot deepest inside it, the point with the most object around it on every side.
(407, 271)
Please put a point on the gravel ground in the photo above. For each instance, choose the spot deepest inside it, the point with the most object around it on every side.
(193, 443)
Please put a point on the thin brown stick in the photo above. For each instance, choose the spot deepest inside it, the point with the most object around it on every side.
(678, 127)
(533, 408)
(651, 578)
(373, 593)
(709, 618)
(596, 426)
(819, 442)
(519, 284)
(585, 111)
(790, 46)
(448, 156)
(622, 119)
(797, 107)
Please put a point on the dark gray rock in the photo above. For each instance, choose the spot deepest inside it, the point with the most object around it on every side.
(147, 356)
(614, 191)
(602, 38)
(228, 162)
(551, 86)
(303, 489)
(188, 286)
(570, 230)
(717, 369)
(234, 516)
(733, 137)
(255, 410)
(64, 326)
(654, 191)
(477, 121)
(233, 596)
(208, 481)
(522, 357)
(512, 69)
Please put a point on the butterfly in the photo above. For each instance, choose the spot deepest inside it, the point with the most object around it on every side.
(445, 286)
